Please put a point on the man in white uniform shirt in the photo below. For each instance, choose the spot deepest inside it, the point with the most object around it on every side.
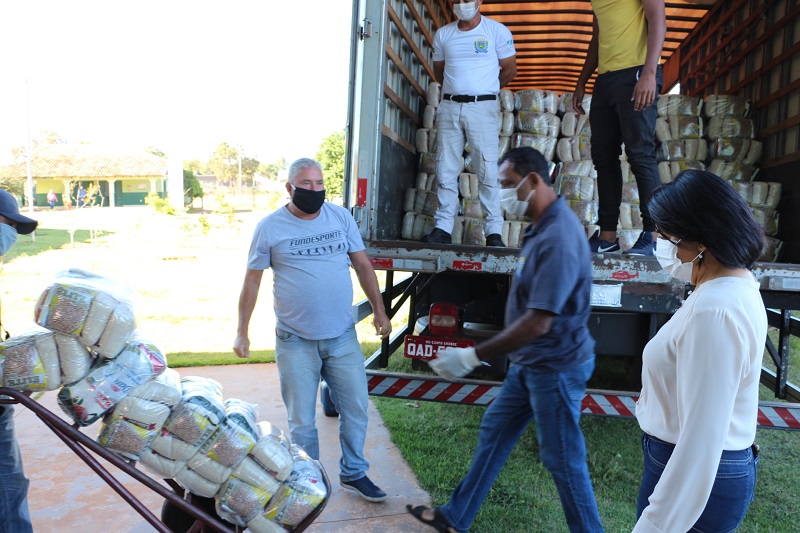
(473, 58)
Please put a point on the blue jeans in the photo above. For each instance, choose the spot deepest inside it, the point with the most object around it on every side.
(14, 515)
(553, 400)
(731, 494)
(340, 362)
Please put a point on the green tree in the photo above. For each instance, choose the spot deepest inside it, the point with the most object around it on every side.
(192, 187)
(271, 170)
(331, 156)
(46, 137)
(224, 164)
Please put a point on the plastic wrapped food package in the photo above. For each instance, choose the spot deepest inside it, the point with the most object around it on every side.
(86, 400)
(419, 201)
(197, 484)
(515, 233)
(468, 185)
(579, 168)
(505, 100)
(503, 145)
(410, 200)
(536, 100)
(434, 93)
(432, 140)
(229, 445)
(772, 250)
(422, 140)
(538, 123)
(566, 105)
(272, 452)
(427, 163)
(585, 211)
(431, 204)
(193, 420)
(471, 207)
(730, 127)
(407, 229)
(506, 124)
(130, 428)
(664, 173)
(733, 171)
(428, 117)
(625, 215)
(630, 193)
(679, 127)
(300, 494)
(723, 104)
(30, 362)
(767, 217)
(760, 189)
(774, 195)
(753, 153)
(96, 310)
(421, 182)
(473, 232)
(636, 216)
(730, 149)
(458, 230)
(545, 145)
(678, 104)
(239, 502)
(568, 149)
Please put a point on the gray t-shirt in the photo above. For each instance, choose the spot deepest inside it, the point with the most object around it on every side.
(312, 290)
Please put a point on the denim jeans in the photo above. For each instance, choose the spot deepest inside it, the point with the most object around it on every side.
(614, 122)
(731, 494)
(553, 400)
(14, 515)
(340, 361)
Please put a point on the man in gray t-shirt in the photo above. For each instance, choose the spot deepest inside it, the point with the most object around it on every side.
(310, 246)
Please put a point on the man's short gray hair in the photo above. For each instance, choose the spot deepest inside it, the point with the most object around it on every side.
(302, 163)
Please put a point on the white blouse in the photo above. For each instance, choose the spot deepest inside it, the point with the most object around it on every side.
(700, 380)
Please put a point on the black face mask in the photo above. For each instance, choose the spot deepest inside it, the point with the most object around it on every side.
(308, 201)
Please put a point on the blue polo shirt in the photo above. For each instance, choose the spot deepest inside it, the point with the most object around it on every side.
(554, 273)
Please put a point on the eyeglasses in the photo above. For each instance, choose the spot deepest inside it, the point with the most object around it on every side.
(660, 234)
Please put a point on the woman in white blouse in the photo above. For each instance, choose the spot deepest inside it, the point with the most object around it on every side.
(700, 375)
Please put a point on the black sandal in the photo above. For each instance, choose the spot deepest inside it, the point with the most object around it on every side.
(438, 522)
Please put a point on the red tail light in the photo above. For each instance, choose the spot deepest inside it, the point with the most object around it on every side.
(443, 319)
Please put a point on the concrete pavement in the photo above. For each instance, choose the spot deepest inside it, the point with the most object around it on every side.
(66, 495)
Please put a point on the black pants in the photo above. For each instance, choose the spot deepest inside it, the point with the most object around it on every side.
(614, 122)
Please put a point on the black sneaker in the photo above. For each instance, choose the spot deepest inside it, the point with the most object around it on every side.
(437, 236)
(644, 245)
(495, 240)
(599, 246)
(364, 488)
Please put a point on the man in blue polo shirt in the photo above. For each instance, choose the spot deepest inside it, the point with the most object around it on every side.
(550, 349)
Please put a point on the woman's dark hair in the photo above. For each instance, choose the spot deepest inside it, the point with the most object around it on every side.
(702, 207)
(525, 160)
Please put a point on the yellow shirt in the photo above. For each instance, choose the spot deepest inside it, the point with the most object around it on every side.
(623, 34)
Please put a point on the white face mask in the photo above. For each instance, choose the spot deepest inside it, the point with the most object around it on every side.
(513, 205)
(465, 11)
(8, 238)
(667, 255)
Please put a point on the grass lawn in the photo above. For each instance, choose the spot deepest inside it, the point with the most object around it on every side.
(187, 284)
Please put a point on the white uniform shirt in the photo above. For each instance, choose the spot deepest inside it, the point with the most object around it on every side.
(472, 58)
(700, 381)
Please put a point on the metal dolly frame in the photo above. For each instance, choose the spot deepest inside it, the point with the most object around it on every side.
(81, 445)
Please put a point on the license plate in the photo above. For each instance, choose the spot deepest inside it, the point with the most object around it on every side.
(426, 348)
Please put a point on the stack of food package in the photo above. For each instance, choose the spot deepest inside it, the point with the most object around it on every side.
(734, 154)
(532, 127)
(576, 179)
(85, 343)
(680, 144)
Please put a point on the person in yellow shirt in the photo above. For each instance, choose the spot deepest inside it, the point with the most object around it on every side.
(625, 49)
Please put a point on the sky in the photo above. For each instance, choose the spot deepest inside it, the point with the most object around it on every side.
(182, 76)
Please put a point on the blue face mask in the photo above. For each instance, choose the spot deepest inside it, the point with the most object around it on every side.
(8, 238)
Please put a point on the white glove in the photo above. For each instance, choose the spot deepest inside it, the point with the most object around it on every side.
(452, 363)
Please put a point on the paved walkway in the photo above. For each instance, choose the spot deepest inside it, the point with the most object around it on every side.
(66, 495)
